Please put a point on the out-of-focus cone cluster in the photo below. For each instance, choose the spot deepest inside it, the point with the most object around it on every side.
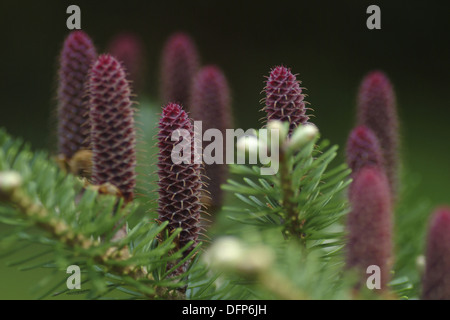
(369, 224)
(179, 63)
(211, 104)
(372, 155)
(127, 48)
(77, 55)
(363, 150)
(377, 110)
(436, 279)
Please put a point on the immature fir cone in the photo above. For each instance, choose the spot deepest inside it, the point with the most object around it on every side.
(284, 99)
(180, 185)
(113, 132)
(436, 280)
(77, 55)
(377, 110)
(369, 224)
(211, 104)
(363, 149)
(179, 63)
(128, 49)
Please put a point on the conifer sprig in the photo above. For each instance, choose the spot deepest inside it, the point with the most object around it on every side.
(32, 192)
(304, 184)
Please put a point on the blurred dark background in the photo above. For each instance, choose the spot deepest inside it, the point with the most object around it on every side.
(325, 42)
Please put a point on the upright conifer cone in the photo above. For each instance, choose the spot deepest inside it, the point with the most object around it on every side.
(363, 150)
(128, 49)
(369, 224)
(284, 99)
(180, 185)
(179, 63)
(436, 280)
(113, 132)
(211, 104)
(377, 110)
(77, 55)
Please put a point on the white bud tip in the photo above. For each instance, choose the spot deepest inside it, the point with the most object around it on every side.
(303, 134)
(230, 254)
(225, 253)
(278, 125)
(247, 143)
(9, 180)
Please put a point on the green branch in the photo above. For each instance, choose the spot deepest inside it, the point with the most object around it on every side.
(12, 194)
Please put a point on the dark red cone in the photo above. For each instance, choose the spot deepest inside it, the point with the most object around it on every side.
(128, 49)
(377, 110)
(369, 224)
(77, 55)
(179, 63)
(436, 280)
(211, 104)
(113, 132)
(180, 185)
(284, 99)
(363, 149)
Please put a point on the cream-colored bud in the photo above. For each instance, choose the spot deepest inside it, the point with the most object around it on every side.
(302, 135)
(230, 254)
(420, 263)
(248, 144)
(9, 180)
(282, 127)
(256, 260)
(225, 254)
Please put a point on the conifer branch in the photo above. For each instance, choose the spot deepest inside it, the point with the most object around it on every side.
(13, 194)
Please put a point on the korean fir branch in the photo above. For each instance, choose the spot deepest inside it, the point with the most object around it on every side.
(34, 193)
(77, 55)
(303, 137)
(180, 184)
(112, 258)
(211, 104)
(113, 132)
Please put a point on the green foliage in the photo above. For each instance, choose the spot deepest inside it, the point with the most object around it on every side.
(317, 197)
(71, 221)
(295, 216)
(411, 221)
